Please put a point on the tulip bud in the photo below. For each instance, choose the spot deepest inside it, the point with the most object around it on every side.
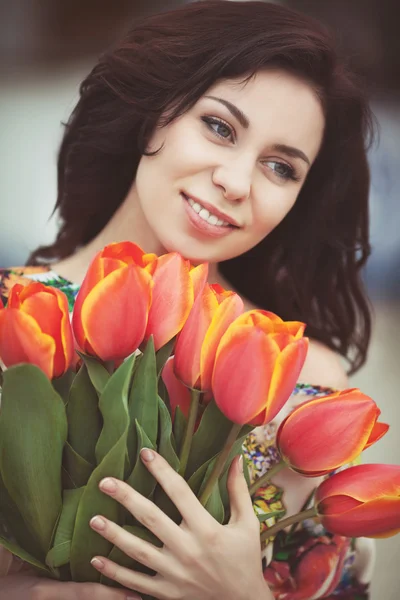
(361, 501)
(172, 298)
(113, 303)
(257, 365)
(35, 329)
(323, 434)
(213, 311)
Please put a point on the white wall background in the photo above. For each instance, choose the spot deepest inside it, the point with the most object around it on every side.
(31, 110)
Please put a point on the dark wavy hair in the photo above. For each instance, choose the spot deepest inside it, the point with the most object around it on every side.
(308, 268)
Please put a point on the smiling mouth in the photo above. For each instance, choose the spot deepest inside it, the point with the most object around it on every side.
(208, 215)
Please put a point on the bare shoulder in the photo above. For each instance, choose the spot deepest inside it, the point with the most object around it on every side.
(323, 367)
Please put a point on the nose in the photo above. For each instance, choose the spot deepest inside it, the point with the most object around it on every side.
(234, 178)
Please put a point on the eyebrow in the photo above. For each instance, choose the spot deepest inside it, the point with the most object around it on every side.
(244, 121)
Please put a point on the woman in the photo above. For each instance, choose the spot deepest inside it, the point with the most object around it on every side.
(231, 133)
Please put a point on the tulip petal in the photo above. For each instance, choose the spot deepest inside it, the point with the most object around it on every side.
(178, 393)
(199, 276)
(323, 434)
(363, 482)
(22, 341)
(242, 373)
(172, 299)
(114, 314)
(286, 373)
(190, 339)
(379, 430)
(126, 252)
(376, 518)
(229, 309)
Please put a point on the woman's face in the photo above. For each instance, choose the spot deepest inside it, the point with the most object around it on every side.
(230, 169)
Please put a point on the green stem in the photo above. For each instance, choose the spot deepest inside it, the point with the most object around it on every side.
(301, 516)
(191, 423)
(266, 478)
(220, 464)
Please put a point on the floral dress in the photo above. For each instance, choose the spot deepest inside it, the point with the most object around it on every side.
(303, 563)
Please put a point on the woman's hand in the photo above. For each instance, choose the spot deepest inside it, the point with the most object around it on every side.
(27, 587)
(200, 559)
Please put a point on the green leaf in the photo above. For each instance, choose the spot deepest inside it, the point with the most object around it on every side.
(113, 412)
(196, 480)
(13, 526)
(84, 418)
(166, 442)
(179, 428)
(23, 555)
(120, 558)
(62, 384)
(110, 451)
(78, 469)
(143, 401)
(215, 506)
(166, 448)
(141, 479)
(60, 553)
(271, 515)
(209, 438)
(163, 355)
(33, 431)
(98, 374)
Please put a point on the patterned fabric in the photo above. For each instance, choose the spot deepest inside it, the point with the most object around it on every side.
(303, 563)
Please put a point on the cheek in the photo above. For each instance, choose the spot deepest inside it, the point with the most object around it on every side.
(271, 208)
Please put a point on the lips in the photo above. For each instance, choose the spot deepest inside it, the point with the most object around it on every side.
(211, 209)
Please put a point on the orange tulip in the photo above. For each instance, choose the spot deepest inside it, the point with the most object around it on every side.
(173, 296)
(362, 501)
(321, 435)
(213, 311)
(113, 303)
(257, 365)
(35, 329)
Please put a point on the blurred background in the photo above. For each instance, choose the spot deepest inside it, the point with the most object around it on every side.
(48, 46)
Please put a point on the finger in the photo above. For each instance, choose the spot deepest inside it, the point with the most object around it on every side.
(133, 580)
(193, 513)
(144, 552)
(146, 512)
(240, 501)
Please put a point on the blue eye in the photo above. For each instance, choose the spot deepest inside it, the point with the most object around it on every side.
(283, 170)
(219, 127)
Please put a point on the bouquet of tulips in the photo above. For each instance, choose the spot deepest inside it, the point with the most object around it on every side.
(156, 357)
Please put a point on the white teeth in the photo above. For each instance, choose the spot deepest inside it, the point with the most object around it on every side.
(213, 220)
(206, 215)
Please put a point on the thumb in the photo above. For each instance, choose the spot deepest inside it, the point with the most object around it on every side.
(239, 498)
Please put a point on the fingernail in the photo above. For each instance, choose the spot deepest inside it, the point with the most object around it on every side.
(240, 463)
(108, 485)
(97, 523)
(147, 455)
(97, 563)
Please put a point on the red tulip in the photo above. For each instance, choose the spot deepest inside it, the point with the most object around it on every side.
(213, 311)
(178, 392)
(323, 434)
(113, 303)
(173, 296)
(257, 365)
(361, 501)
(317, 569)
(35, 329)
